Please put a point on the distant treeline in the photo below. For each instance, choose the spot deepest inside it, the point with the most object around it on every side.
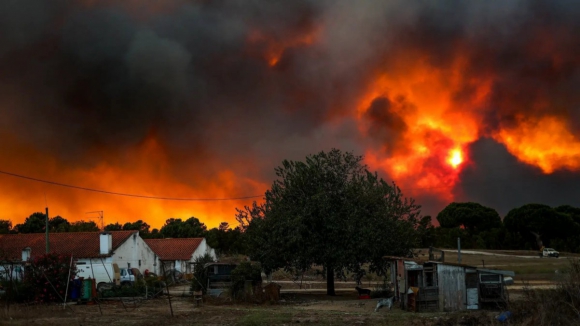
(527, 228)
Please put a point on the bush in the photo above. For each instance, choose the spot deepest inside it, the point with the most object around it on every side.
(200, 274)
(49, 275)
(17, 291)
(246, 271)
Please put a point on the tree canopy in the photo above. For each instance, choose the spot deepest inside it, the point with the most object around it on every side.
(473, 217)
(329, 211)
(5, 226)
(554, 226)
(176, 228)
(35, 223)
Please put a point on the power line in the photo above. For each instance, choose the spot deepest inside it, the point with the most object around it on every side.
(123, 194)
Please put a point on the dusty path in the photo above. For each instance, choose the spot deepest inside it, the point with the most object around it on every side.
(485, 253)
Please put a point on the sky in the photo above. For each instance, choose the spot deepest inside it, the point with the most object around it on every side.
(452, 101)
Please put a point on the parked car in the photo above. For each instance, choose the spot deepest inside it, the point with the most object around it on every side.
(127, 276)
(550, 252)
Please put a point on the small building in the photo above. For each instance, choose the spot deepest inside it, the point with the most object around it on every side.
(219, 277)
(179, 253)
(445, 286)
(94, 252)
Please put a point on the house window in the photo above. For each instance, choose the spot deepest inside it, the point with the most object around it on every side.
(139, 262)
(128, 265)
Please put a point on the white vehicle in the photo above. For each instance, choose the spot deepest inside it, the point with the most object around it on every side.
(550, 252)
(126, 276)
(105, 274)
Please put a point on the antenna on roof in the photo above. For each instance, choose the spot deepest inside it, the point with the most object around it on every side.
(100, 217)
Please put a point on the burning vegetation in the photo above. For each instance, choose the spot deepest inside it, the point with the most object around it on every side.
(200, 99)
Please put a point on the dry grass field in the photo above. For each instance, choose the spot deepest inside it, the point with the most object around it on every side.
(308, 305)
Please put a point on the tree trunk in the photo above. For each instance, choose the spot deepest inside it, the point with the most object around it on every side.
(330, 280)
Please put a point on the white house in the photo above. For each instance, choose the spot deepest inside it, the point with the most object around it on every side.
(94, 252)
(179, 254)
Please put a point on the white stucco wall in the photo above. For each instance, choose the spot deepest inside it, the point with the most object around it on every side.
(182, 265)
(135, 253)
(201, 250)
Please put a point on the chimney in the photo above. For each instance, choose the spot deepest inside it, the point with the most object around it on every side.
(106, 243)
(26, 254)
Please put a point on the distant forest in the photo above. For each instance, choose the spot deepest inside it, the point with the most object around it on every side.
(479, 227)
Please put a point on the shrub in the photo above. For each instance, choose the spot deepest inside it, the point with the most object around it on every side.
(200, 274)
(49, 275)
(246, 271)
(17, 291)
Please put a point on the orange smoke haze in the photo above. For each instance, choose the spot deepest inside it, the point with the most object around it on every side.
(437, 130)
(203, 99)
(145, 171)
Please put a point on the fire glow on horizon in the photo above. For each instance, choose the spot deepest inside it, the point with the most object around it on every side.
(203, 99)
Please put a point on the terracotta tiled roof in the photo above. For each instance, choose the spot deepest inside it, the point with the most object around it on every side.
(79, 244)
(174, 249)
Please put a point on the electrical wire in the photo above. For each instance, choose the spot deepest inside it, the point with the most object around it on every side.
(124, 194)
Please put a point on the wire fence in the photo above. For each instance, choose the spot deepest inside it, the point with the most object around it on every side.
(108, 300)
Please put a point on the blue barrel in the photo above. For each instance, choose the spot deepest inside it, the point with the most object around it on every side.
(75, 289)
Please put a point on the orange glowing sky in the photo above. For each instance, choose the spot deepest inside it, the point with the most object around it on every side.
(203, 99)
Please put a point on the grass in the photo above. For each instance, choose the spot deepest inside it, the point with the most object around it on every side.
(259, 317)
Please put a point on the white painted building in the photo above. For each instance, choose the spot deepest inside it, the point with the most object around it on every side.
(179, 253)
(94, 252)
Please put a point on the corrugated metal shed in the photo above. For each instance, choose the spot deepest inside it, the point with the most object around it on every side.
(452, 291)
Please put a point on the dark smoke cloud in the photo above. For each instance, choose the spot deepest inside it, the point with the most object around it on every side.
(500, 181)
(87, 82)
(386, 124)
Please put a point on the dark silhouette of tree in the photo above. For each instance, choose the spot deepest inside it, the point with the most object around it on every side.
(225, 240)
(426, 232)
(472, 217)
(113, 227)
(553, 226)
(35, 223)
(58, 224)
(5, 226)
(330, 211)
(84, 226)
(176, 228)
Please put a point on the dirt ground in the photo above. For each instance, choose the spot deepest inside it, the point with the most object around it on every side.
(294, 309)
(301, 303)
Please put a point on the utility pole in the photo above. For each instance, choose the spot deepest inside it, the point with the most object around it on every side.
(459, 250)
(46, 227)
(100, 217)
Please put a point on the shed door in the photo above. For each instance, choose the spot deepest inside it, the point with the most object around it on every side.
(472, 291)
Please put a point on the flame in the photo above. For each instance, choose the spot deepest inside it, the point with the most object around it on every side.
(545, 142)
(439, 127)
(455, 158)
(271, 48)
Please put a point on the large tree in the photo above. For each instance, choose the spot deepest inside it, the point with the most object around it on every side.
(329, 211)
(473, 217)
(533, 223)
(225, 240)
